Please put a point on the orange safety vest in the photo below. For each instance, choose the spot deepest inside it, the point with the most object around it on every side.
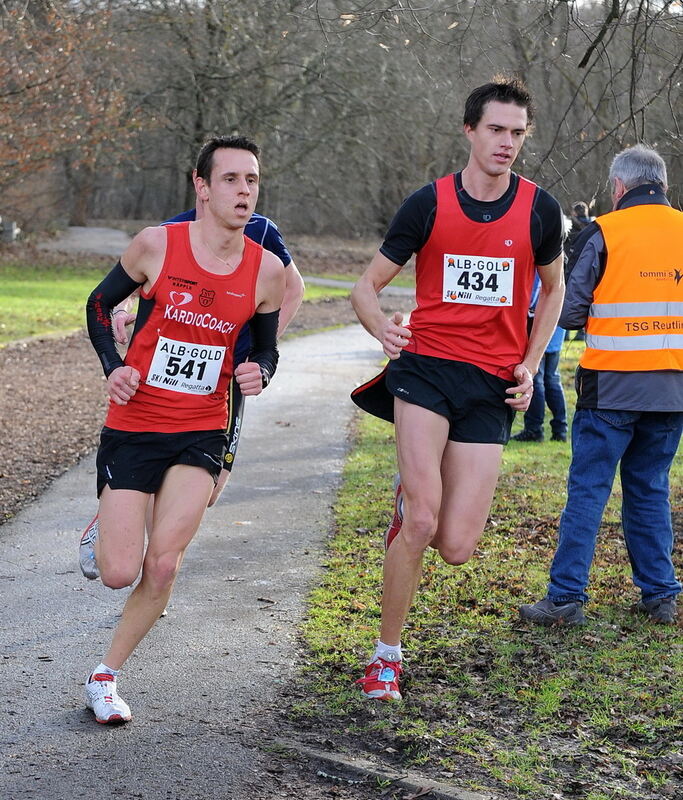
(635, 323)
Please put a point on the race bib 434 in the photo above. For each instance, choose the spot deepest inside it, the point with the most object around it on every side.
(478, 280)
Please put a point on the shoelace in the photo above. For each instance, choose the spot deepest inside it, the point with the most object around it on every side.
(380, 665)
(104, 685)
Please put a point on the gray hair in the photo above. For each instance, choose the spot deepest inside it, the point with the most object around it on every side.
(637, 165)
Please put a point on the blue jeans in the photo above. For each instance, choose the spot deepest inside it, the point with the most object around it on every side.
(547, 389)
(645, 442)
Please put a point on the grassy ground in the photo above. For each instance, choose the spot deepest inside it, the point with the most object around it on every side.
(591, 713)
(407, 280)
(314, 293)
(39, 298)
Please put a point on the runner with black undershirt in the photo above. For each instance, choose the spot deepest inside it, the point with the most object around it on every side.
(265, 232)
(164, 433)
(463, 366)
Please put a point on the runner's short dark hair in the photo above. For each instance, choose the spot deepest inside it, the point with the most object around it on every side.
(205, 157)
(502, 89)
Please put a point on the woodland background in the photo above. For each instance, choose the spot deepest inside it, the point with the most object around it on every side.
(104, 103)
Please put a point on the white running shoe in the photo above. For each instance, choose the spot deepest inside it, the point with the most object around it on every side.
(86, 550)
(101, 696)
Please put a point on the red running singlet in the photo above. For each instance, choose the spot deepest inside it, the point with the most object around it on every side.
(473, 284)
(184, 349)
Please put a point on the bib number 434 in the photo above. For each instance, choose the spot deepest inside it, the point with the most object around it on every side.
(478, 280)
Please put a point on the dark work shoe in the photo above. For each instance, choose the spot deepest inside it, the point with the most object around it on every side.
(662, 610)
(558, 437)
(545, 612)
(527, 436)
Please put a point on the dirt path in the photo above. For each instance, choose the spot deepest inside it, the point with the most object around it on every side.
(202, 683)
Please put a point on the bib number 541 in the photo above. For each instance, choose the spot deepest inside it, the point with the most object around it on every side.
(175, 366)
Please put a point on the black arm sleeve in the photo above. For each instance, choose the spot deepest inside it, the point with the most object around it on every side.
(264, 352)
(116, 286)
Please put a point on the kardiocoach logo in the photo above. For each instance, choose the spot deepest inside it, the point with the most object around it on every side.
(180, 298)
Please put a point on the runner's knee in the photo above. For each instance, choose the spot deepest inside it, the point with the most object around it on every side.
(160, 570)
(119, 576)
(419, 527)
(456, 554)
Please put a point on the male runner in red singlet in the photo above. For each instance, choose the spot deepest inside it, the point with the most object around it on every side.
(165, 430)
(464, 364)
(266, 233)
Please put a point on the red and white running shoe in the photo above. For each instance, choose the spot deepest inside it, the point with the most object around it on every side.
(380, 681)
(395, 525)
(101, 696)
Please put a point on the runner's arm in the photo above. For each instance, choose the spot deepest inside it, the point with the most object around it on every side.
(122, 316)
(294, 294)
(389, 332)
(116, 287)
(140, 265)
(547, 312)
(253, 375)
(547, 233)
(545, 322)
(264, 352)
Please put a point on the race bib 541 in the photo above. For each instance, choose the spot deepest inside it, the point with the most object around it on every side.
(185, 367)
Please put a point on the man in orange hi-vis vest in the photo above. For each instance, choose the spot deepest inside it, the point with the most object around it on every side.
(626, 287)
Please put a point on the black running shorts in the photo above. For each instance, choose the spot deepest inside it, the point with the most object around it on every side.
(133, 460)
(473, 401)
(235, 420)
